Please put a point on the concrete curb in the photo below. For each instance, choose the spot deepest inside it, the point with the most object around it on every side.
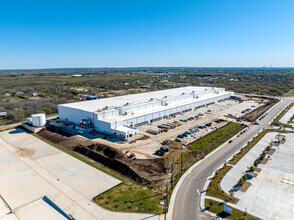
(203, 195)
(279, 111)
(234, 206)
(172, 200)
(202, 206)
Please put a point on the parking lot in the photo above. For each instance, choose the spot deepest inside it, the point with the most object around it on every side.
(147, 144)
(271, 193)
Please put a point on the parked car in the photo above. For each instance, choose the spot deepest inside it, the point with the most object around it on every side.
(166, 142)
(230, 141)
(132, 141)
(187, 132)
(208, 124)
(160, 153)
(164, 149)
(180, 136)
(184, 135)
(178, 140)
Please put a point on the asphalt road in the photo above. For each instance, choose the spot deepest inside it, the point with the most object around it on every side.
(186, 206)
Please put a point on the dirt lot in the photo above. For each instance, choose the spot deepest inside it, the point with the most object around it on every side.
(253, 115)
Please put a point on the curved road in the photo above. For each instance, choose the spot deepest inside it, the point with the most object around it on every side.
(187, 200)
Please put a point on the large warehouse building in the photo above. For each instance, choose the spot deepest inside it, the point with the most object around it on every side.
(122, 115)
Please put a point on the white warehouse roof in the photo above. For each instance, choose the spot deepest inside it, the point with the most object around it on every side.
(119, 101)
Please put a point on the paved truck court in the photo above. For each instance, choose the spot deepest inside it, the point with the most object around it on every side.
(31, 169)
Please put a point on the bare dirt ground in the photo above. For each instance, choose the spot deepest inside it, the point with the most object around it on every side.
(253, 115)
(143, 171)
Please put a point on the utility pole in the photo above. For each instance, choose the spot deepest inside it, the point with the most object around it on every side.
(166, 199)
(182, 159)
(172, 170)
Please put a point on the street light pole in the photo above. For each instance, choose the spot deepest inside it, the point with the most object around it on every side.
(166, 199)
(172, 169)
(182, 160)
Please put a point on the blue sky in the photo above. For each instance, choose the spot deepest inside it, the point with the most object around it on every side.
(112, 33)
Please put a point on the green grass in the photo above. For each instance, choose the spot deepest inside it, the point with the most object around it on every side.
(214, 190)
(217, 207)
(128, 191)
(289, 94)
(130, 197)
(217, 138)
(247, 148)
(276, 120)
(233, 117)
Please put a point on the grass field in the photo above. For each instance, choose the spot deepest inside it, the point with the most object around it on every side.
(217, 207)
(289, 94)
(130, 197)
(276, 120)
(218, 137)
(214, 190)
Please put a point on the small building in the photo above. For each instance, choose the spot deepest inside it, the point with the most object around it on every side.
(3, 114)
(92, 97)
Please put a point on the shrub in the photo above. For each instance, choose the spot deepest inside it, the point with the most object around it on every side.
(255, 163)
(252, 169)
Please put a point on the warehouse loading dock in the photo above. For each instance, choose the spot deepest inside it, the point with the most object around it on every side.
(127, 113)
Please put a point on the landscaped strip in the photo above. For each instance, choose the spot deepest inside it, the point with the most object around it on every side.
(213, 187)
(277, 119)
(217, 138)
(247, 148)
(213, 141)
(217, 207)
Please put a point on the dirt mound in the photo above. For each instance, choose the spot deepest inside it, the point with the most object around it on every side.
(142, 171)
(256, 113)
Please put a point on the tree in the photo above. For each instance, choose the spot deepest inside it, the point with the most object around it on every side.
(252, 169)
(244, 177)
(261, 157)
(255, 163)
(232, 193)
(240, 182)
(210, 204)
